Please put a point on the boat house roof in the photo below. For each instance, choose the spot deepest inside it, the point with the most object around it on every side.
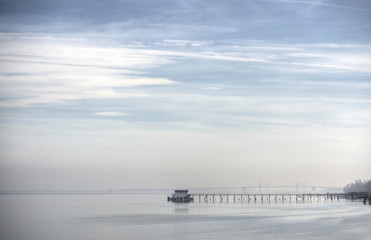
(181, 191)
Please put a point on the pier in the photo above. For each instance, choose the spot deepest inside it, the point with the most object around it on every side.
(279, 197)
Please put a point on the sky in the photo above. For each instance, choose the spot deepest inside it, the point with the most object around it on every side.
(171, 93)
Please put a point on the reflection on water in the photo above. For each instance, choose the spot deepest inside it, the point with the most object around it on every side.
(181, 208)
(49, 217)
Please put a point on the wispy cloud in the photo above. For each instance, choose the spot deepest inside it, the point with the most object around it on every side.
(321, 3)
(300, 57)
(170, 42)
(110, 114)
(346, 84)
(42, 72)
(202, 28)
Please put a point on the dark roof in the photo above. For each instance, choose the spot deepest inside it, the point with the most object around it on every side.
(185, 191)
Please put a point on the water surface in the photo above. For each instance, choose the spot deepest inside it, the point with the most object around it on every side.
(149, 216)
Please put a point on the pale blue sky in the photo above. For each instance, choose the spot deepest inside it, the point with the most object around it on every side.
(132, 94)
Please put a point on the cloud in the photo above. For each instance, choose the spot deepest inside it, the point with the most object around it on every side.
(330, 57)
(345, 84)
(110, 114)
(320, 3)
(45, 71)
(201, 28)
(48, 71)
(173, 42)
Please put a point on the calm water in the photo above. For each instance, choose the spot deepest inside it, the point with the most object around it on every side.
(49, 217)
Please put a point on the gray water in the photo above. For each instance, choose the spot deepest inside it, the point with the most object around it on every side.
(120, 216)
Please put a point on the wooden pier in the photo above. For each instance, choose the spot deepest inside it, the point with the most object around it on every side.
(277, 197)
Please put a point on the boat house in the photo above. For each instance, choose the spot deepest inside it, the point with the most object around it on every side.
(180, 196)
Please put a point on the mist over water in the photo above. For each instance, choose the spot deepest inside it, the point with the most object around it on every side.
(150, 216)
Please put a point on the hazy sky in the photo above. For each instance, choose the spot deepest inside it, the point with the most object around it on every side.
(168, 93)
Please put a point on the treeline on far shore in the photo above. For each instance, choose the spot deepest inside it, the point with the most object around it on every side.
(358, 186)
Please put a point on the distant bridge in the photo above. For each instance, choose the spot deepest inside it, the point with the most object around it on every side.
(271, 189)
